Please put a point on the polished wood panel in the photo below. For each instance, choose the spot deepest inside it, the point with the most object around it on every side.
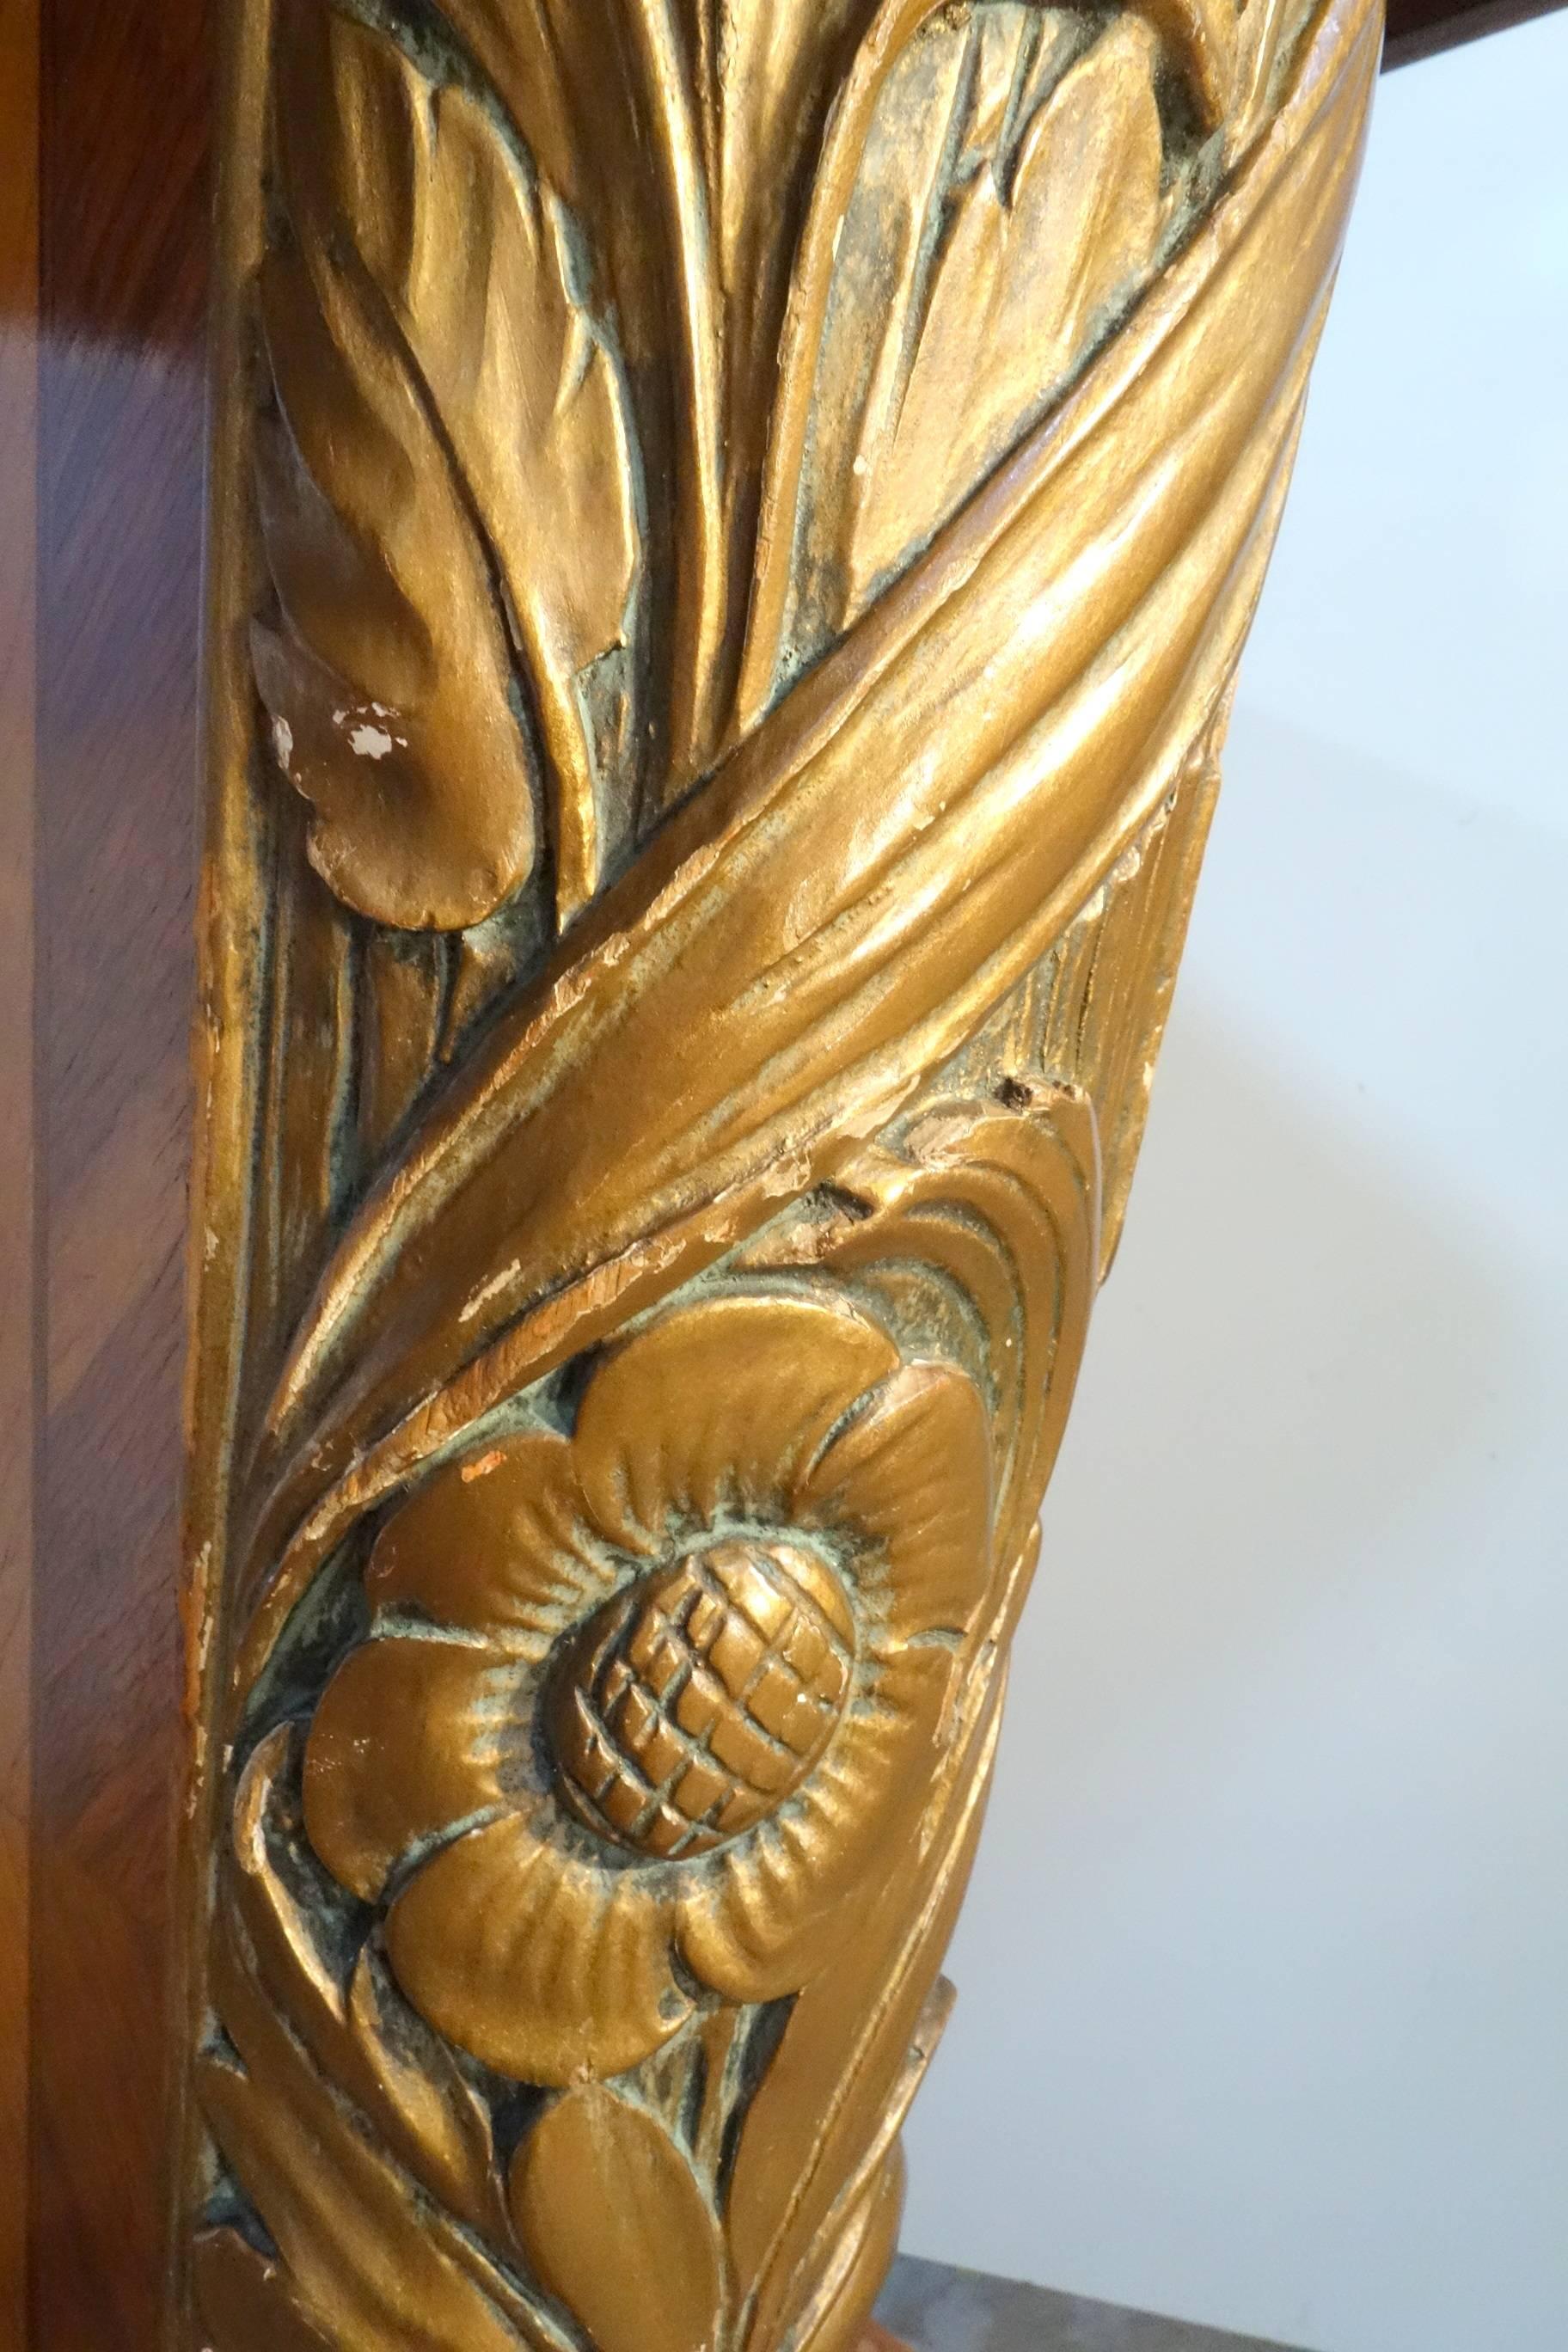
(18, 464)
(124, 128)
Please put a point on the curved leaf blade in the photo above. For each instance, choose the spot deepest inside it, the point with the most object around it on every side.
(451, 503)
(377, 2266)
(246, 2301)
(1045, 227)
(489, 282)
(614, 2225)
(388, 679)
(365, 2039)
(414, 2080)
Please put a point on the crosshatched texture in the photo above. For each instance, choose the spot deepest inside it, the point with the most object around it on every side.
(702, 1696)
(518, 1754)
(734, 529)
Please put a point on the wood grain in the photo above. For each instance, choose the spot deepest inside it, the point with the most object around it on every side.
(18, 466)
(124, 127)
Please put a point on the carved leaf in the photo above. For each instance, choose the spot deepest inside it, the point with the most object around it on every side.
(615, 2226)
(1264, 38)
(936, 104)
(490, 488)
(850, 2060)
(341, 2118)
(1019, 222)
(441, 2121)
(601, 97)
(388, 679)
(854, 2269)
(370, 2042)
(245, 2300)
(1005, 1202)
(1201, 38)
(376, 2264)
(766, 78)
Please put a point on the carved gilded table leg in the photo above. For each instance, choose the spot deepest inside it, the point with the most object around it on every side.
(732, 530)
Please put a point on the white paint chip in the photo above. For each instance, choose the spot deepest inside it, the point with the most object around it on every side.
(481, 1298)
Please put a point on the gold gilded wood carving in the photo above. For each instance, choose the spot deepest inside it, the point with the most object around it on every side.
(732, 530)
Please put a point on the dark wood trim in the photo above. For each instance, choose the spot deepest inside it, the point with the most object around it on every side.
(124, 117)
(18, 1330)
(1419, 29)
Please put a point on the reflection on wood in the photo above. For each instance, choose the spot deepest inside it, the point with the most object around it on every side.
(115, 364)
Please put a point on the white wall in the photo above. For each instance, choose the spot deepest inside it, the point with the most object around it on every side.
(1264, 1978)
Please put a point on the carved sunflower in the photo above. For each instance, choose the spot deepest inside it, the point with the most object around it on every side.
(651, 1710)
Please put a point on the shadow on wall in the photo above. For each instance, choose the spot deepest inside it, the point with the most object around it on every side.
(1261, 1978)
(1190, 1904)
(1353, 1336)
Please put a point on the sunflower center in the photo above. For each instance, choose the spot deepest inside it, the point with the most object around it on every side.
(690, 1705)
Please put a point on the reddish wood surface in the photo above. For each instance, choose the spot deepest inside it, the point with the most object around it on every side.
(18, 461)
(124, 121)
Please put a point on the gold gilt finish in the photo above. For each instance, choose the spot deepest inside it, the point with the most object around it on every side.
(732, 530)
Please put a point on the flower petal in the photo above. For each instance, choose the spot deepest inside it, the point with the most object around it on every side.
(544, 1966)
(718, 1406)
(770, 1913)
(913, 1473)
(751, 1929)
(494, 1543)
(404, 1744)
